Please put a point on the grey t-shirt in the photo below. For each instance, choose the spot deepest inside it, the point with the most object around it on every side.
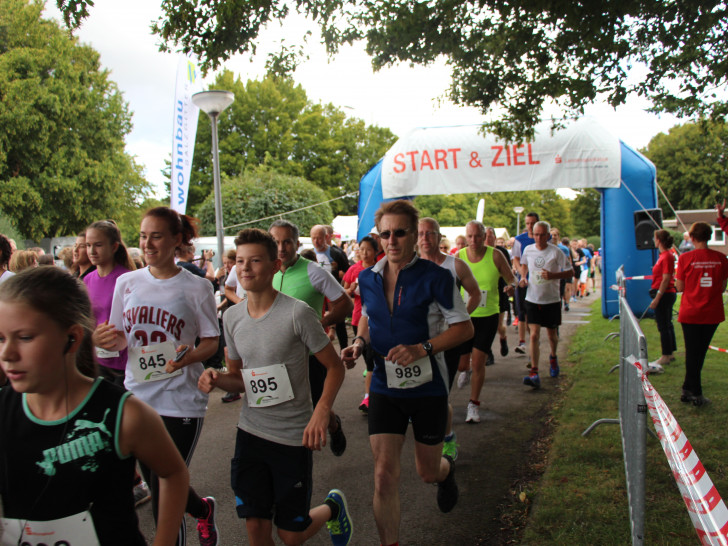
(284, 335)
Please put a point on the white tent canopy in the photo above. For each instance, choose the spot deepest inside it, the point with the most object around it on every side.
(461, 159)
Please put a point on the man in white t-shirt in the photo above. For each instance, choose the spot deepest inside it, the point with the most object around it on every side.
(542, 267)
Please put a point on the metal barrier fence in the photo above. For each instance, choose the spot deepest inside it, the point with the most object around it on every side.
(632, 410)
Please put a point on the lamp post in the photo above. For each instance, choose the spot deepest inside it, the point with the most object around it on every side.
(518, 211)
(213, 103)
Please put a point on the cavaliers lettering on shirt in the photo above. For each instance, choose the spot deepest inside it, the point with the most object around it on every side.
(145, 314)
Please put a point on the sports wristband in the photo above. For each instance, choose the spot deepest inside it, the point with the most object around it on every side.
(359, 337)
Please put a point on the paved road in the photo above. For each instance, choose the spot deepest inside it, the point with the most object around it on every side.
(491, 455)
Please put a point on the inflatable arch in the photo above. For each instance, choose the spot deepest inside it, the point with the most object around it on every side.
(460, 159)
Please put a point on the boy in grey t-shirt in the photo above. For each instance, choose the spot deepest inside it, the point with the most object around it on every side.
(269, 336)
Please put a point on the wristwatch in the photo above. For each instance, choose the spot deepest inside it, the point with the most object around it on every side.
(427, 346)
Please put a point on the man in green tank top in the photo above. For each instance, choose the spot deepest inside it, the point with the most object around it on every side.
(487, 265)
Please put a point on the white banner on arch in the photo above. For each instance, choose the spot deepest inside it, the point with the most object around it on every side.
(461, 159)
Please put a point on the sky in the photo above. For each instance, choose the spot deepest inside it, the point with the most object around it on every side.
(400, 98)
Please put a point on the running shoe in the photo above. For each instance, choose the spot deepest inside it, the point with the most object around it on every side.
(521, 348)
(364, 406)
(491, 360)
(206, 527)
(700, 400)
(515, 322)
(231, 397)
(450, 447)
(554, 363)
(532, 380)
(447, 490)
(141, 493)
(653, 368)
(566, 307)
(338, 440)
(464, 379)
(473, 415)
(342, 527)
(504, 346)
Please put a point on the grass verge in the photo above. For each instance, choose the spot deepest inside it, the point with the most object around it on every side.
(582, 496)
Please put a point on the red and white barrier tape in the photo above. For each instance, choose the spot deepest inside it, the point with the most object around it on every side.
(639, 278)
(705, 506)
(718, 349)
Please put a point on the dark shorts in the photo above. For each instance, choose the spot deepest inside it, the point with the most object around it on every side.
(316, 378)
(272, 481)
(485, 330)
(452, 360)
(562, 287)
(547, 315)
(391, 415)
(521, 303)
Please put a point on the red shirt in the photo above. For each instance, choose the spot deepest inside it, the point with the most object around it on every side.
(351, 276)
(665, 264)
(704, 273)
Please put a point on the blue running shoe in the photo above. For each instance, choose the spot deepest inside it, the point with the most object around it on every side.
(532, 381)
(554, 362)
(342, 527)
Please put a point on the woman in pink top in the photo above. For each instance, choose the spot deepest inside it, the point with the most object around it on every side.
(107, 252)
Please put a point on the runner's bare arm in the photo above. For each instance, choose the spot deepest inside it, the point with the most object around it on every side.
(352, 352)
(457, 333)
(231, 296)
(144, 436)
(469, 283)
(206, 348)
(338, 309)
(230, 381)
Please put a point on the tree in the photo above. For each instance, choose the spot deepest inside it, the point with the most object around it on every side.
(459, 209)
(273, 123)
(262, 193)
(586, 213)
(692, 164)
(520, 56)
(62, 159)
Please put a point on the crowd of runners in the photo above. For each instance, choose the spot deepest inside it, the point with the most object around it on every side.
(109, 361)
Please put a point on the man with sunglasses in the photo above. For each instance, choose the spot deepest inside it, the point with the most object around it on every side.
(403, 301)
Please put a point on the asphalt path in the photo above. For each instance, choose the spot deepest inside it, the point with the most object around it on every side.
(491, 457)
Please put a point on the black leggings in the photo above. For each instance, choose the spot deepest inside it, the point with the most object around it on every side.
(184, 432)
(663, 317)
(697, 339)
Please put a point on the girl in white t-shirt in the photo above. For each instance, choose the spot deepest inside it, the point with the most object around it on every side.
(158, 313)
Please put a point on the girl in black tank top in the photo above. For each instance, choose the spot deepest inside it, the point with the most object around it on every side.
(69, 442)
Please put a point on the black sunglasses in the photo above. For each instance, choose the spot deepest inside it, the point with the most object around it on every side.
(397, 233)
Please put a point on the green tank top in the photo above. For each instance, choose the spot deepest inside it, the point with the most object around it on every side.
(296, 283)
(486, 275)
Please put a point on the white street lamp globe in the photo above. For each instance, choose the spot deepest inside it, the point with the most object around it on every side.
(213, 102)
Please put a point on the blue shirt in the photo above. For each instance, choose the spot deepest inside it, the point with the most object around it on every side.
(424, 293)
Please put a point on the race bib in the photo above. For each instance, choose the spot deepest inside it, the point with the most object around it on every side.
(407, 377)
(77, 530)
(538, 277)
(147, 363)
(267, 386)
(483, 298)
(103, 353)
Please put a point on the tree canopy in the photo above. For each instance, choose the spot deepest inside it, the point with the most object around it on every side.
(273, 123)
(586, 213)
(692, 164)
(519, 56)
(260, 193)
(62, 158)
(459, 209)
